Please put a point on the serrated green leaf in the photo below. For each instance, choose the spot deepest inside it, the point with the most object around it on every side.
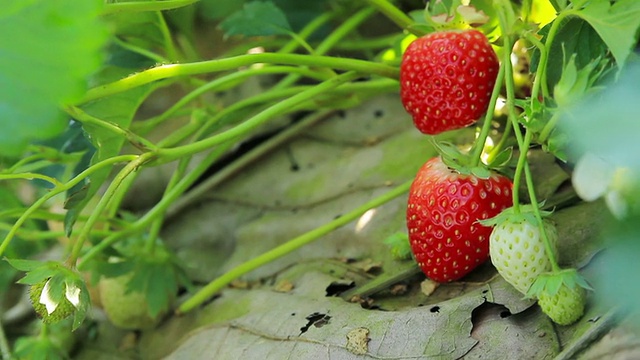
(576, 36)
(257, 18)
(37, 275)
(44, 64)
(617, 24)
(117, 109)
(24, 265)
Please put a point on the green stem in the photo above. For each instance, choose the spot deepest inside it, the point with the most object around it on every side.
(328, 43)
(177, 70)
(138, 6)
(31, 176)
(169, 46)
(537, 81)
(362, 88)
(216, 285)
(548, 127)
(307, 31)
(55, 191)
(536, 211)
(258, 119)
(225, 81)
(542, 64)
(501, 144)
(86, 119)
(102, 204)
(486, 126)
(140, 50)
(156, 225)
(248, 158)
(396, 15)
(159, 209)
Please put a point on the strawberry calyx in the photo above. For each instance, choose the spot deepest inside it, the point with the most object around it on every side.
(461, 162)
(440, 16)
(551, 282)
(524, 213)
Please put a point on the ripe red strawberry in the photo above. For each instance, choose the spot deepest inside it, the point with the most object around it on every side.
(446, 79)
(442, 213)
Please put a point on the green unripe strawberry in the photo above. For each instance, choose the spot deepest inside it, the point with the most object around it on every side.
(564, 307)
(63, 309)
(126, 310)
(517, 250)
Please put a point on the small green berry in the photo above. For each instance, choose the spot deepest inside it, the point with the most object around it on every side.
(62, 310)
(564, 307)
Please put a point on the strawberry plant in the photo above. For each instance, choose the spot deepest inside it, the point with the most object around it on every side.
(97, 96)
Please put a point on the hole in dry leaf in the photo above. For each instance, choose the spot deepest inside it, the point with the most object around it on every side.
(336, 288)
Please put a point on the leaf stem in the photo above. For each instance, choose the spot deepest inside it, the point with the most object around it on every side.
(102, 204)
(167, 199)
(222, 83)
(396, 15)
(252, 156)
(55, 191)
(139, 6)
(31, 176)
(216, 285)
(88, 226)
(135, 140)
(176, 70)
(486, 125)
(250, 124)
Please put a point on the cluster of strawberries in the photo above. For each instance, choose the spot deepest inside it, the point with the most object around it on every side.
(447, 79)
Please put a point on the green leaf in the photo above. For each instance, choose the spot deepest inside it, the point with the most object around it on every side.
(616, 24)
(38, 348)
(257, 19)
(577, 37)
(117, 109)
(399, 245)
(38, 275)
(24, 265)
(52, 47)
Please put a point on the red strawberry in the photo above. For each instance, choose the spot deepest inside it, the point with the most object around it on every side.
(442, 213)
(446, 79)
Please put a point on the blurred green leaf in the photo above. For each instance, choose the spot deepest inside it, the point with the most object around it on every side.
(617, 24)
(52, 47)
(257, 19)
(606, 123)
(38, 348)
